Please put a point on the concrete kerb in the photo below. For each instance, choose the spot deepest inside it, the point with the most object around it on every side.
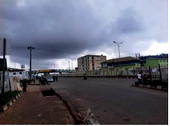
(73, 112)
(81, 116)
(149, 88)
(7, 105)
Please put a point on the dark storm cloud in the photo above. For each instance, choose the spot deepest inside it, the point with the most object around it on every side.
(57, 28)
(129, 22)
(64, 28)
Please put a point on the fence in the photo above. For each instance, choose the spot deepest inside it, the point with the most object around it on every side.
(158, 72)
(10, 84)
(6, 83)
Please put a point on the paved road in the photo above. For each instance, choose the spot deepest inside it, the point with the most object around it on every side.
(114, 101)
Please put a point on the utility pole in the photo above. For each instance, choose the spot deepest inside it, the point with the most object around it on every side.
(4, 65)
(160, 73)
(30, 71)
(72, 64)
(118, 45)
(69, 65)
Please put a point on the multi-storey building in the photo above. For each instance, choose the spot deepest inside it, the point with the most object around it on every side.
(90, 62)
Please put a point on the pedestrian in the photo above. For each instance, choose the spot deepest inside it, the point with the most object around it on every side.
(24, 83)
(56, 77)
(139, 76)
(84, 77)
(41, 81)
(45, 80)
(145, 78)
(34, 80)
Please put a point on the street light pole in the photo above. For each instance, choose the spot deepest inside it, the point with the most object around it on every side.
(118, 45)
(119, 49)
(30, 71)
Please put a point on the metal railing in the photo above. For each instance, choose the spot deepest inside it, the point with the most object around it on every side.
(155, 73)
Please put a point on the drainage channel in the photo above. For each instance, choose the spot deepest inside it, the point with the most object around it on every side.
(48, 92)
(51, 92)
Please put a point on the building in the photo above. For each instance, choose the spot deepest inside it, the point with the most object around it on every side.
(120, 66)
(124, 61)
(154, 60)
(145, 61)
(20, 73)
(132, 65)
(90, 62)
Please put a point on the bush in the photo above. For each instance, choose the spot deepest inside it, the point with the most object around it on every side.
(7, 96)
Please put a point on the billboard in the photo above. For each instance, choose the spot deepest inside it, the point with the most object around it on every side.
(1, 47)
(1, 64)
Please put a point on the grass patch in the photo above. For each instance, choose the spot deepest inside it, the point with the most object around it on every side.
(7, 96)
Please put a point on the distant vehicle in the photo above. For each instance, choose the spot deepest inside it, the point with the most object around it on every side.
(50, 79)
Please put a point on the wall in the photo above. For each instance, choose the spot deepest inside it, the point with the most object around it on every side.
(6, 84)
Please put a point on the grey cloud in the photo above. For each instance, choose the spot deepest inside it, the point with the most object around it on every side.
(64, 28)
(57, 29)
(129, 22)
(128, 27)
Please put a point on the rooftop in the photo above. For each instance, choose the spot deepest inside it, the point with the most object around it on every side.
(123, 59)
(161, 56)
(92, 55)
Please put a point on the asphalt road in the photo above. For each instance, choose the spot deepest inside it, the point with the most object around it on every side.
(114, 101)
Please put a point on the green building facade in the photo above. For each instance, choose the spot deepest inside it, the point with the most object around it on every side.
(131, 65)
(154, 62)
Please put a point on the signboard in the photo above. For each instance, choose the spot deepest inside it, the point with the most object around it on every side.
(1, 47)
(1, 64)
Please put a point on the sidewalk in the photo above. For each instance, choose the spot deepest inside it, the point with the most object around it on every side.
(34, 108)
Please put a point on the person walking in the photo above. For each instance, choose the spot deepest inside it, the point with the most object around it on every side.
(139, 76)
(84, 76)
(24, 83)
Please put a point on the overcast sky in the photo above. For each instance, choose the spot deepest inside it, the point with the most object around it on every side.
(62, 30)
